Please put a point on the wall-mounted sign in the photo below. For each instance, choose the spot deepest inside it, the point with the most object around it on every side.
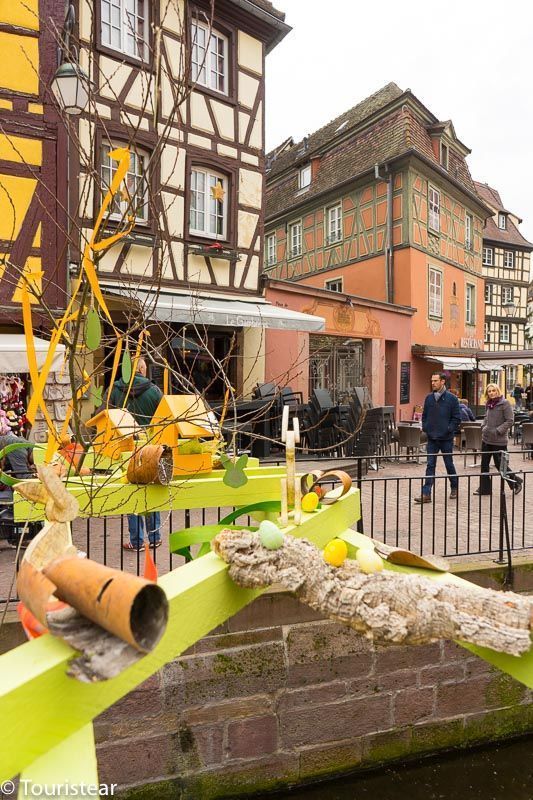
(467, 341)
(405, 382)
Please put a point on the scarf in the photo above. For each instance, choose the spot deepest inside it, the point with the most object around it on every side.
(493, 402)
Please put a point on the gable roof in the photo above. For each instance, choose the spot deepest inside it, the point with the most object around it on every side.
(388, 124)
(491, 232)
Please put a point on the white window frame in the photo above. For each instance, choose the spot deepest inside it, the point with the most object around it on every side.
(206, 47)
(489, 262)
(433, 208)
(444, 156)
(489, 293)
(470, 304)
(507, 326)
(469, 231)
(502, 222)
(333, 283)
(271, 246)
(136, 176)
(334, 224)
(486, 332)
(118, 23)
(204, 216)
(295, 239)
(435, 293)
(507, 294)
(508, 255)
(304, 177)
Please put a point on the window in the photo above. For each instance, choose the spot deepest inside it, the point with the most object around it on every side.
(444, 155)
(304, 177)
(334, 224)
(505, 332)
(125, 26)
(434, 208)
(209, 58)
(508, 259)
(271, 247)
(486, 337)
(209, 205)
(295, 239)
(469, 225)
(334, 285)
(134, 201)
(489, 290)
(507, 294)
(435, 293)
(470, 304)
(488, 256)
(502, 222)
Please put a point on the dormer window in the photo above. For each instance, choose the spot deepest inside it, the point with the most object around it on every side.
(304, 177)
(444, 153)
(502, 222)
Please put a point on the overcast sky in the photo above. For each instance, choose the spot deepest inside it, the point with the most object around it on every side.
(468, 61)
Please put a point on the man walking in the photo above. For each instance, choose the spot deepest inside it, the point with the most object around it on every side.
(142, 403)
(440, 421)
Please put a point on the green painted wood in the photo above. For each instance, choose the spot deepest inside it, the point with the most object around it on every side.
(101, 496)
(70, 763)
(40, 706)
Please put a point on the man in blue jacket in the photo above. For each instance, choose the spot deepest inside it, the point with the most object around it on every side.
(440, 421)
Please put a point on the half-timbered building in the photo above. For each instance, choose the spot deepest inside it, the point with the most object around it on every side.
(185, 90)
(506, 269)
(380, 204)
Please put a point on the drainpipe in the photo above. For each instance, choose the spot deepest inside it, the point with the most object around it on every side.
(389, 249)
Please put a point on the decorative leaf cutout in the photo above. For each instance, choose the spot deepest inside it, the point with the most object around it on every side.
(97, 395)
(234, 475)
(126, 366)
(93, 330)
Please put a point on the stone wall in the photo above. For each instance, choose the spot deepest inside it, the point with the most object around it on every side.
(279, 696)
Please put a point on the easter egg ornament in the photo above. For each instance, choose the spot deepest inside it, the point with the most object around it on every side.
(270, 535)
(369, 561)
(335, 552)
(310, 502)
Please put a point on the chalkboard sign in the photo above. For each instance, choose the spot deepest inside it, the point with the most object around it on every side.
(405, 382)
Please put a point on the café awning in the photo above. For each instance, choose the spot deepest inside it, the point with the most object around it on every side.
(14, 357)
(463, 363)
(229, 313)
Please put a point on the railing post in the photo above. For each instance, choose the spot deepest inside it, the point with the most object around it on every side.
(359, 486)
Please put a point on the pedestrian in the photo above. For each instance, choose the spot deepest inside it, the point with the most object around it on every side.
(467, 415)
(142, 403)
(441, 418)
(497, 423)
(529, 396)
(517, 394)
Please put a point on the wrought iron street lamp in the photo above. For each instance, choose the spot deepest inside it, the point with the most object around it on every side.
(510, 308)
(70, 84)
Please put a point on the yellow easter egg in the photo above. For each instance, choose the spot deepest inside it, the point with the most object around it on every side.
(335, 552)
(369, 561)
(309, 502)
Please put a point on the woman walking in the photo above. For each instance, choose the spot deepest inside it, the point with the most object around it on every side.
(497, 423)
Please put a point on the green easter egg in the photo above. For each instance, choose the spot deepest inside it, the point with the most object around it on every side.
(270, 535)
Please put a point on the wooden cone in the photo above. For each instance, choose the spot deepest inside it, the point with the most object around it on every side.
(151, 464)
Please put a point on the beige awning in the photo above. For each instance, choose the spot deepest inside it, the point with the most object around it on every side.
(14, 354)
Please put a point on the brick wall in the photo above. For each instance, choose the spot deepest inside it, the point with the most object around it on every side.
(278, 695)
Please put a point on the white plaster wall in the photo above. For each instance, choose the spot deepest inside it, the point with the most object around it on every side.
(115, 75)
(244, 119)
(221, 269)
(253, 273)
(198, 272)
(224, 150)
(253, 359)
(172, 14)
(199, 114)
(250, 53)
(246, 157)
(199, 141)
(224, 118)
(256, 138)
(174, 210)
(173, 166)
(247, 89)
(85, 19)
(247, 223)
(177, 252)
(250, 188)
(138, 262)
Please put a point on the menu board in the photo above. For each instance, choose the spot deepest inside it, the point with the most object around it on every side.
(405, 382)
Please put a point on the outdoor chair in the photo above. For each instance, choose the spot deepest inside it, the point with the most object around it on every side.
(527, 439)
(409, 439)
(472, 439)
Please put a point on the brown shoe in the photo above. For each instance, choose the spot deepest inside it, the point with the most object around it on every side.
(424, 498)
(453, 494)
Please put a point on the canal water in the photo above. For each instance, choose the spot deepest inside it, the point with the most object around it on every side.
(502, 772)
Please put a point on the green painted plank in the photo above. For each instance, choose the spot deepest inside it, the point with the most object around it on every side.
(40, 706)
(72, 762)
(520, 668)
(101, 496)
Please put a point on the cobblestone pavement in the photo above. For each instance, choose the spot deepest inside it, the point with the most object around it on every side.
(447, 527)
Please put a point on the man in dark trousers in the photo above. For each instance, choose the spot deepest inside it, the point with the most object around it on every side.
(440, 421)
(142, 402)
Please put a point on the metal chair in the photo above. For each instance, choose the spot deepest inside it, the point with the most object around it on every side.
(410, 439)
(472, 437)
(527, 439)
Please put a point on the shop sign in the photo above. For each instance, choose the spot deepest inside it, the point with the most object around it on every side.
(468, 341)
